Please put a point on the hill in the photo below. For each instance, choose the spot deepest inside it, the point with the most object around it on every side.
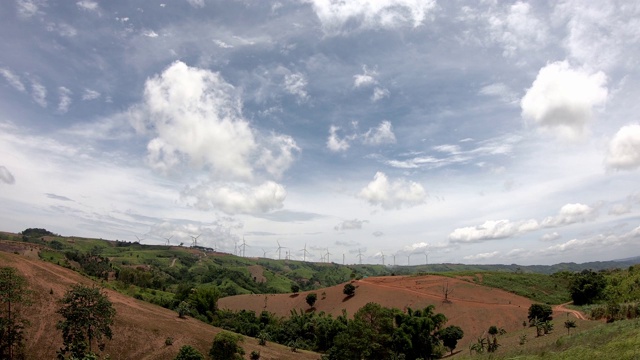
(140, 328)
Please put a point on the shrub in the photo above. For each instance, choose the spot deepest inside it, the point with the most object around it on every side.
(349, 289)
(225, 346)
(311, 299)
(188, 352)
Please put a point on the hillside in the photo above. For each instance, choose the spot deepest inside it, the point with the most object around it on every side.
(140, 328)
(472, 307)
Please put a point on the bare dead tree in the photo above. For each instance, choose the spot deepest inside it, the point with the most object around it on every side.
(446, 291)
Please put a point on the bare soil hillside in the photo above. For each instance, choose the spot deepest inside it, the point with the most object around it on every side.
(140, 328)
(472, 307)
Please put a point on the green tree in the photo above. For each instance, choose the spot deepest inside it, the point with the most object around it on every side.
(188, 352)
(204, 301)
(226, 346)
(587, 287)
(569, 324)
(87, 315)
(542, 312)
(311, 299)
(183, 309)
(13, 294)
(295, 288)
(349, 289)
(450, 336)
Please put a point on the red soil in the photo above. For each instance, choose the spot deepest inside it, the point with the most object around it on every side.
(140, 328)
(472, 307)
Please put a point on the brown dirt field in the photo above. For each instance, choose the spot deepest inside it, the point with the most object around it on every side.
(257, 272)
(140, 328)
(473, 307)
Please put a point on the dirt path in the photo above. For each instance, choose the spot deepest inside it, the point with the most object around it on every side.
(173, 262)
(575, 313)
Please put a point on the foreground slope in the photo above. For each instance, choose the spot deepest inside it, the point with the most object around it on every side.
(472, 307)
(140, 328)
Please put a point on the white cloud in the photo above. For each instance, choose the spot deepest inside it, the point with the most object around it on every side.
(196, 3)
(501, 91)
(482, 256)
(28, 8)
(551, 236)
(624, 149)
(570, 214)
(196, 118)
(367, 78)
(13, 79)
(620, 209)
(354, 224)
(90, 94)
(602, 34)
(335, 15)
(150, 33)
(87, 5)
(295, 84)
(39, 93)
(383, 134)
(6, 176)
(491, 230)
(237, 198)
(64, 30)
(517, 29)
(393, 195)
(334, 143)
(222, 44)
(562, 99)
(65, 99)
(379, 93)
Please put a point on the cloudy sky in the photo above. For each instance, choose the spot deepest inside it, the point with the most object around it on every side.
(471, 131)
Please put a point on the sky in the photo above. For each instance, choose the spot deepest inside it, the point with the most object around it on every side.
(387, 132)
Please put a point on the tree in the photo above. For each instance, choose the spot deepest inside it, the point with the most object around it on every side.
(13, 294)
(542, 312)
(569, 324)
(295, 288)
(349, 289)
(225, 346)
(183, 309)
(446, 291)
(450, 336)
(311, 299)
(88, 315)
(204, 301)
(587, 287)
(188, 352)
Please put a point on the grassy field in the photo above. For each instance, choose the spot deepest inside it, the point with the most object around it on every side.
(593, 340)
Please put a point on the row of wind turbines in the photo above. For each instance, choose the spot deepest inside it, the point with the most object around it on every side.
(325, 257)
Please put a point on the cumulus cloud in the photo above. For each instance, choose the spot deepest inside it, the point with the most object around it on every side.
(482, 256)
(195, 117)
(28, 8)
(550, 236)
(335, 15)
(365, 79)
(570, 214)
(562, 99)
(90, 95)
(491, 230)
(13, 79)
(620, 209)
(517, 29)
(379, 93)
(39, 93)
(65, 99)
(236, 198)
(383, 134)
(395, 194)
(6, 176)
(334, 142)
(624, 149)
(354, 224)
(87, 5)
(295, 84)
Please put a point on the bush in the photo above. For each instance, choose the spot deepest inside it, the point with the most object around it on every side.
(188, 352)
(311, 299)
(542, 312)
(349, 289)
(225, 346)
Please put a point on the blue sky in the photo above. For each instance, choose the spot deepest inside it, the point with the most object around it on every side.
(475, 132)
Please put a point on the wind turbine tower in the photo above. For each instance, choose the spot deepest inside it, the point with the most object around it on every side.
(279, 249)
(360, 256)
(195, 239)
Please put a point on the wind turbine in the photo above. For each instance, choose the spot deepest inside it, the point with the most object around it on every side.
(426, 255)
(139, 240)
(195, 239)
(408, 259)
(394, 259)
(169, 238)
(342, 258)
(328, 253)
(279, 249)
(243, 246)
(304, 253)
(264, 253)
(382, 257)
(360, 256)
